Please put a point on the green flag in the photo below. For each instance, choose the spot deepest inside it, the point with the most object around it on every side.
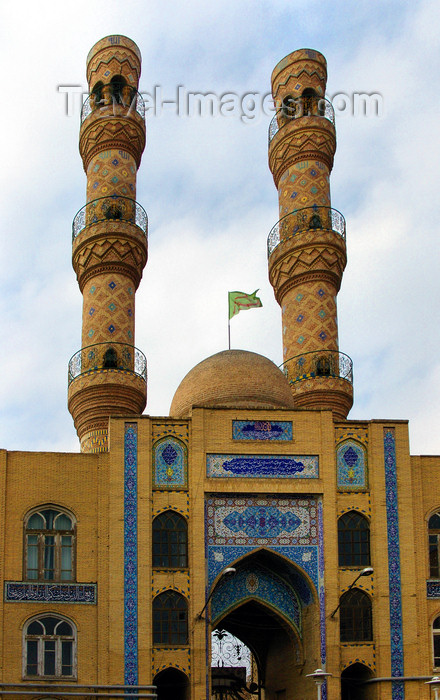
(239, 301)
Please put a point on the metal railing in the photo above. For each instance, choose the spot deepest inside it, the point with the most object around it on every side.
(133, 102)
(306, 219)
(112, 356)
(112, 208)
(301, 107)
(318, 363)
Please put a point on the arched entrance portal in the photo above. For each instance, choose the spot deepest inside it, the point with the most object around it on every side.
(352, 679)
(172, 685)
(271, 606)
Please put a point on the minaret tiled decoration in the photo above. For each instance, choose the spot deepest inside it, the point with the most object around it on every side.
(306, 248)
(108, 375)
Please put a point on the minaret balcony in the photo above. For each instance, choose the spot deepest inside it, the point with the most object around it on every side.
(301, 107)
(109, 358)
(112, 209)
(318, 364)
(306, 219)
(114, 105)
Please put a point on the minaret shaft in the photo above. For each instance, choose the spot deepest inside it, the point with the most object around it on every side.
(108, 375)
(307, 253)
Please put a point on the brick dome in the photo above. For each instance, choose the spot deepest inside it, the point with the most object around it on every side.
(232, 379)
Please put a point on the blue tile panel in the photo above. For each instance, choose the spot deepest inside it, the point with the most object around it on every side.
(256, 583)
(20, 591)
(290, 526)
(170, 464)
(352, 466)
(262, 466)
(130, 556)
(261, 430)
(396, 635)
(433, 589)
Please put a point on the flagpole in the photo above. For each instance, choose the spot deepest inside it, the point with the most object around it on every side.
(229, 331)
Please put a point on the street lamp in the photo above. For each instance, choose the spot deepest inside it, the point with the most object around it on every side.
(319, 675)
(435, 682)
(365, 572)
(226, 572)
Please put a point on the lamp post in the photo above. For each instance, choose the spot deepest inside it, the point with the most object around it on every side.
(365, 572)
(319, 676)
(226, 572)
(435, 682)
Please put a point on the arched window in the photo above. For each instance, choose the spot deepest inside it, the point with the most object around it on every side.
(49, 546)
(117, 84)
(110, 356)
(353, 539)
(288, 107)
(170, 619)
(436, 641)
(434, 542)
(355, 617)
(50, 648)
(170, 541)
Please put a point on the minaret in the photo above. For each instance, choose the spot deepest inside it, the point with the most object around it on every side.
(306, 248)
(108, 375)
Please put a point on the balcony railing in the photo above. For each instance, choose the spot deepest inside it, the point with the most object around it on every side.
(133, 101)
(301, 107)
(116, 356)
(112, 208)
(306, 219)
(318, 363)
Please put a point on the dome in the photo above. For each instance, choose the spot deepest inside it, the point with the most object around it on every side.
(232, 379)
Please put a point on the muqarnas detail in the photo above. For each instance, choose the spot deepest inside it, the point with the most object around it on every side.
(170, 464)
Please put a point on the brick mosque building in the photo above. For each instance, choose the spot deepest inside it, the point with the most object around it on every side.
(256, 508)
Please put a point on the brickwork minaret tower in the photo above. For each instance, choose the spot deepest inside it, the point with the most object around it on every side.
(306, 248)
(108, 375)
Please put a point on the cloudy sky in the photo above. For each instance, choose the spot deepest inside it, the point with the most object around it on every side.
(210, 198)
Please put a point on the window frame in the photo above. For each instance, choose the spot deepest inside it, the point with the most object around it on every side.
(42, 640)
(433, 547)
(435, 634)
(359, 616)
(41, 545)
(164, 547)
(168, 629)
(352, 559)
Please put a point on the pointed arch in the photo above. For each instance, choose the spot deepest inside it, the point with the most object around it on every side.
(434, 544)
(356, 622)
(170, 540)
(170, 464)
(353, 539)
(352, 467)
(170, 619)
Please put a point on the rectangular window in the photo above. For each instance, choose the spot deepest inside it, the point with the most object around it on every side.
(32, 658)
(49, 658)
(433, 557)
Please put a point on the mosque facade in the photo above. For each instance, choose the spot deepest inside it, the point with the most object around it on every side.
(257, 508)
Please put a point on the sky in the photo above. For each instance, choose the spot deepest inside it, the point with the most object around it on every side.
(210, 198)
